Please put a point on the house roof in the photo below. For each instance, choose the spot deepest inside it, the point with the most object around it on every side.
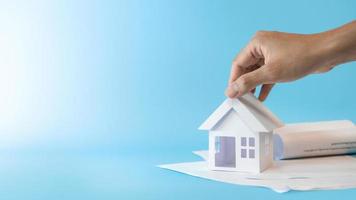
(251, 111)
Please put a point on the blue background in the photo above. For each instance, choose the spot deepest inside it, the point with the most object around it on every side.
(94, 94)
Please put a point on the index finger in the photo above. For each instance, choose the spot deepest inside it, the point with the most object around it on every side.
(242, 61)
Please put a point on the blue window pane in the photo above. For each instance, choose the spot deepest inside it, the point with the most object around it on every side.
(217, 144)
(251, 153)
(243, 141)
(243, 153)
(251, 141)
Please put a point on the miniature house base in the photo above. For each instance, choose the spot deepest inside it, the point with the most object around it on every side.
(240, 135)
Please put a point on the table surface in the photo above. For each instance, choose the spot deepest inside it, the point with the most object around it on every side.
(113, 176)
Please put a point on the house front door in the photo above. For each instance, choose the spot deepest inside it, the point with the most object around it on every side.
(225, 151)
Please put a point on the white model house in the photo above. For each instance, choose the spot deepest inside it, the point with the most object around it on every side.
(240, 135)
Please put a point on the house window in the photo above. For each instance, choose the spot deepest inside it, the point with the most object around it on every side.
(251, 141)
(243, 141)
(243, 153)
(251, 153)
(248, 147)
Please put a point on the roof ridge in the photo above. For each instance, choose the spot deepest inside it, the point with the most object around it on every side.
(258, 117)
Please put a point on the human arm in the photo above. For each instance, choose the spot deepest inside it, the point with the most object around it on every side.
(273, 57)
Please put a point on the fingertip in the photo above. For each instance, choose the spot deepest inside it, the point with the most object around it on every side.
(231, 91)
(227, 93)
(265, 90)
(262, 97)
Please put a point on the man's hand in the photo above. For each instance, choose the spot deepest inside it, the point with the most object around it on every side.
(272, 57)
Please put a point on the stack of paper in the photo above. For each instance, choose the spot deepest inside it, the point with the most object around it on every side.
(314, 139)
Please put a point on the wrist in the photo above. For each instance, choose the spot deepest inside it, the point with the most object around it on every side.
(337, 46)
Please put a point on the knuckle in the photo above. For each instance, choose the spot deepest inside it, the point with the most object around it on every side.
(260, 34)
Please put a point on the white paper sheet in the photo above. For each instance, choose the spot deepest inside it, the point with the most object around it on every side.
(337, 172)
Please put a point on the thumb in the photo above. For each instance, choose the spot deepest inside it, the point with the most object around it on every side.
(246, 83)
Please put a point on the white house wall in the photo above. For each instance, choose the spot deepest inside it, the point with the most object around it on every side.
(211, 151)
(248, 164)
(232, 123)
